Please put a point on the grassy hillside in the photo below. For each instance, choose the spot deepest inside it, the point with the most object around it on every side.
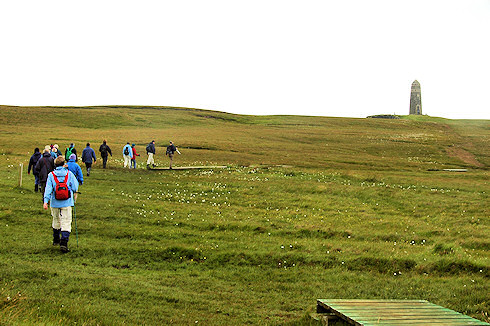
(309, 207)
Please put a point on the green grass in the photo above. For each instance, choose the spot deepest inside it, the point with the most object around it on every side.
(308, 208)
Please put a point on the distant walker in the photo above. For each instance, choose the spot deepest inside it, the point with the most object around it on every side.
(415, 99)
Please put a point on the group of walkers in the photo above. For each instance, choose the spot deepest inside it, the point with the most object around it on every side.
(129, 154)
(59, 176)
(42, 164)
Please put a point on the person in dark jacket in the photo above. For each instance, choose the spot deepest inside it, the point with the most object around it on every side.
(171, 149)
(88, 157)
(43, 167)
(32, 164)
(150, 151)
(104, 150)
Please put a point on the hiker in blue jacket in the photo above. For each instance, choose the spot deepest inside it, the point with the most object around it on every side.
(32, 164)
(61, 209)
(75, 169)
(127, 155)
(88, 154)
(54, 153)
(56, 149)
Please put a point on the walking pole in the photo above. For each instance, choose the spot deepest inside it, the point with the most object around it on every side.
(75, 215)
(76, 229)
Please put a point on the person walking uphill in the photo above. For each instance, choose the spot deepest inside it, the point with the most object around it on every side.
(32, 164)
(60, 189)
(70, 150)
(88, 154)
(133, 160)
(150, 151)
(127, 155)
(43, 167)
(104, 149)
(171, 149)
(75, 169)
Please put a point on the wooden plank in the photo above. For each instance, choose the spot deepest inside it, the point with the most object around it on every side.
(407, 314)
(394, 312)
(191, 167)
(411, 318)
(419, 322)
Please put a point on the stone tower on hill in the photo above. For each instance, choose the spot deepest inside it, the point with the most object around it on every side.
(415, 99)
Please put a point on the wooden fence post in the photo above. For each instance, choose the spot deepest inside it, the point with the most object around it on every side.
(20, 174)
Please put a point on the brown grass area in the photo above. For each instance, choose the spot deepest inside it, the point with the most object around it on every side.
(463, 155)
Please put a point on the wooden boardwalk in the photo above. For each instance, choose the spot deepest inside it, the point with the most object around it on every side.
(191, 167)
(392, 312)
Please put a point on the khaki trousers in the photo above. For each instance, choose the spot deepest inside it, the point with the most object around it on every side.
(127, 161)
(61, 218)
(150, 159)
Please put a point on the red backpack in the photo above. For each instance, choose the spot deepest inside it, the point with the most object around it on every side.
(61, 191)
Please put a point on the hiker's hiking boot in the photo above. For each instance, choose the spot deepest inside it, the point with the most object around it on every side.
(64, 246)
(148, 166)
(56, 237)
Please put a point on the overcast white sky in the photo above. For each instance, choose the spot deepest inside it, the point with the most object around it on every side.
(349, 58)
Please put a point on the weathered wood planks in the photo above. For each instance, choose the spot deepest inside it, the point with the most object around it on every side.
(394, 312)
(191, 168)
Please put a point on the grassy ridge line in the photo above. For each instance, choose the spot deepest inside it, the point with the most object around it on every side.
(282, 140)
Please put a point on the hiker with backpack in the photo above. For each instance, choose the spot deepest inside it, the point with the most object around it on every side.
(60, 189)
(150, 151)
(88, 154)
(127, 155)
(43, 167)
(171, 149)
(75, 169)
(32, 164)
(104, 150)
(70, 150)
(133, 160)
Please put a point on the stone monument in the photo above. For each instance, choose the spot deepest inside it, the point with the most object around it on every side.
(415, 99)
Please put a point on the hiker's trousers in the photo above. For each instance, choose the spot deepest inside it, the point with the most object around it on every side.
(150, 159)
(61, 218)
(127, 161)
(171, 157)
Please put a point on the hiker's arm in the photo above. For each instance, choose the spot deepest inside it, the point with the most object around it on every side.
(31, 165)
(48, 190)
